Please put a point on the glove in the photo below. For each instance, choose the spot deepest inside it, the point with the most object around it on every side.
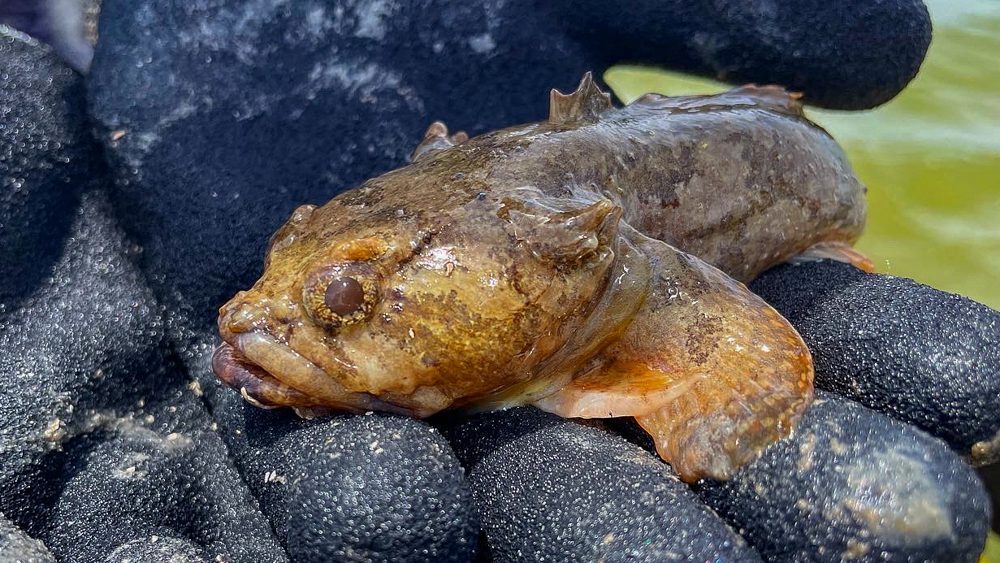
(114, 417)
(68, 26)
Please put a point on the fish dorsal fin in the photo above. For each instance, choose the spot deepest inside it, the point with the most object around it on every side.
(773, 98)
(585, 104)
(435, 139)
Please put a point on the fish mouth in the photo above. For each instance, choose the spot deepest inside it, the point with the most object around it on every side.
(269, 374)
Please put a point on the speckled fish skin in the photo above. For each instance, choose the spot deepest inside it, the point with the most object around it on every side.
(589, 264)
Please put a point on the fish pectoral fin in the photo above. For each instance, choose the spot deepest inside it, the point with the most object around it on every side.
(836, 250)
(711, 371)
(436, 139)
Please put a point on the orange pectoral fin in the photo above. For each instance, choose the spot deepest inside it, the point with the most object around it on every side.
(710, 370)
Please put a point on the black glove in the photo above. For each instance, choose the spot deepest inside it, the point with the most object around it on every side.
(216, 119)
(68, 26)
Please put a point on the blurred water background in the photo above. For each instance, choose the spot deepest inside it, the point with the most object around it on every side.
(930, 157)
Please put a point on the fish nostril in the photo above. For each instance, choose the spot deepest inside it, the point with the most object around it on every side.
(240, 316)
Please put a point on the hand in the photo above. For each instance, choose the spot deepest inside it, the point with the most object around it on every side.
(215, 124)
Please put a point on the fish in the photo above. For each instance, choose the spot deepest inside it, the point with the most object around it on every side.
(591, 265)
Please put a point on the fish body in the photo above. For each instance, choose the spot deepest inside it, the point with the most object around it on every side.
(590, 264)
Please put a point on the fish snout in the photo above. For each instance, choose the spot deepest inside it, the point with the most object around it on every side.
(247, 312)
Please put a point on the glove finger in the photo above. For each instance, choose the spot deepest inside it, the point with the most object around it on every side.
(156, 549)
(551, 489)
(374, 487)
(920, 355)
(67, 26)
(846, 55)
(86, 358)
(163, 473)
(104, 427)
(15, 545)
(853, 484)
(47, 158)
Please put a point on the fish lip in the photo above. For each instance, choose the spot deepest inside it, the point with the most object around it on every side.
(254, 383)
(247, 350)
(243, 339)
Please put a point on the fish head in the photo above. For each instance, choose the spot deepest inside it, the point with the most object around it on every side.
(399, 299)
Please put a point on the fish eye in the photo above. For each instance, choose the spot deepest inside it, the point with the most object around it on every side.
(344, 296)
(340, 295)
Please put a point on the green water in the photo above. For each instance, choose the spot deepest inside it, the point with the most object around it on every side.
(930, 157)
(992, 552)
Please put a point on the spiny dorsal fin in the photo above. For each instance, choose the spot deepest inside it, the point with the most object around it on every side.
(585, 104)
(435, 139)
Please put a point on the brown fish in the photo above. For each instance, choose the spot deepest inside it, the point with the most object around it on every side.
(590, 265)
